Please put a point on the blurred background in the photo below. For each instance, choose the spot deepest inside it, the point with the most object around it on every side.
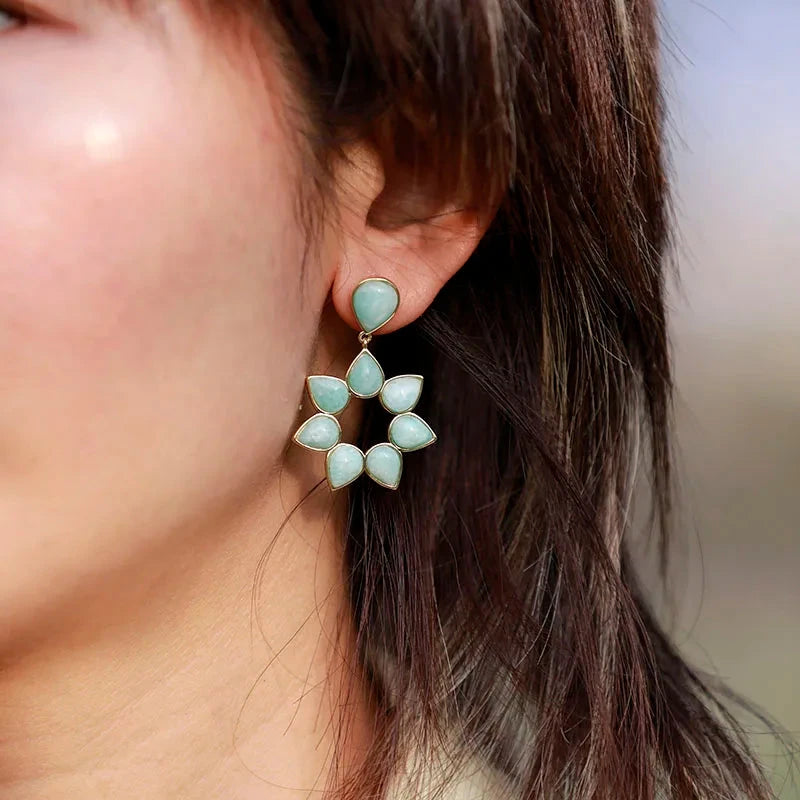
(733, 83)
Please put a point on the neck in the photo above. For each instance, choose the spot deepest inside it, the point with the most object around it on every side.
(215, 667)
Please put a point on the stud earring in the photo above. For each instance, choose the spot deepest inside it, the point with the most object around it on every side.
(375, 302)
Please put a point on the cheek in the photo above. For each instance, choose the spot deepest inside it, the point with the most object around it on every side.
(153, 326)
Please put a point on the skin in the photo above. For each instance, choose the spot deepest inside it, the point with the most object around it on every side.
(155, 332)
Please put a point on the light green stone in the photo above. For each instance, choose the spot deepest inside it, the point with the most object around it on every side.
(365, 376)
(384, 464)
(401, 393)
(320, 432)
(410, 432)
(343, 465)
(374, 303)
(328, 394)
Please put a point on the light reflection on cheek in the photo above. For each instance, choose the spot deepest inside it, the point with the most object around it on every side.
(97, 128)
(102, 139)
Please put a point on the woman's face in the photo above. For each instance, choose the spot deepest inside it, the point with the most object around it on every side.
(154, 326)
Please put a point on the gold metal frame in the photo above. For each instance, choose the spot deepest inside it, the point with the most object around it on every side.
(355, 477)
(388, 380)
(411, 449)
(350, 368)
(364, 337)
(372, 280)
(400, 475)
(311, 396)
(317, 449)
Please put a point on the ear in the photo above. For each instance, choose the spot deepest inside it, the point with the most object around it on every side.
(396, 235)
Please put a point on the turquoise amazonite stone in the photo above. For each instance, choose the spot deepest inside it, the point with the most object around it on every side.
(410, 432)
(365, 376)
(384, 464)
(343, 465)
(320, 432)
(328, 394)
(374, 302)
(401, 393)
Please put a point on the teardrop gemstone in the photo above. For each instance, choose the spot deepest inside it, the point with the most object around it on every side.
(384, 464)
(410, 432)
(365, 376)
(374, 302)
(327, 393)
(320, 432)
(401, 393)
(343, 464)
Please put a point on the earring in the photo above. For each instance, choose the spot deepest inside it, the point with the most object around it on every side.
(375, 302)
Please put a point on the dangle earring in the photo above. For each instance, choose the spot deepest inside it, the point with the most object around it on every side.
(375, 302)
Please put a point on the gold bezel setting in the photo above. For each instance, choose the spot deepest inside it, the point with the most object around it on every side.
(355, 477)
(400, 472)
(394, 378)
(364, 338)
(390, 317)
(311, 419)
(311, 397)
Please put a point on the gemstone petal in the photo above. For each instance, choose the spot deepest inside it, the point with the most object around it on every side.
(343, 464)
(401, 393)
(320, 432)
(374, 302)
(365, 376)
(327, 393)
(410, 432)
(384, 464)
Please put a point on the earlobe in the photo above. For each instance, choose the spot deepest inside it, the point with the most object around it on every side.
(418, 258)
(397, 234)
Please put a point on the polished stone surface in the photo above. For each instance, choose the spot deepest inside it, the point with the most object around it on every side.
(374, 302)
(365, 376)
(410, 432)
(343, 464)
(401, 393)
(328, 394)
(384, 464)
(320, 432)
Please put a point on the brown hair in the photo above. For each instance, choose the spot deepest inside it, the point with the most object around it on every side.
(493, 595)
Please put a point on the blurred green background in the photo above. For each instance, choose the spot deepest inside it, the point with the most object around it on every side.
(733, 83)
